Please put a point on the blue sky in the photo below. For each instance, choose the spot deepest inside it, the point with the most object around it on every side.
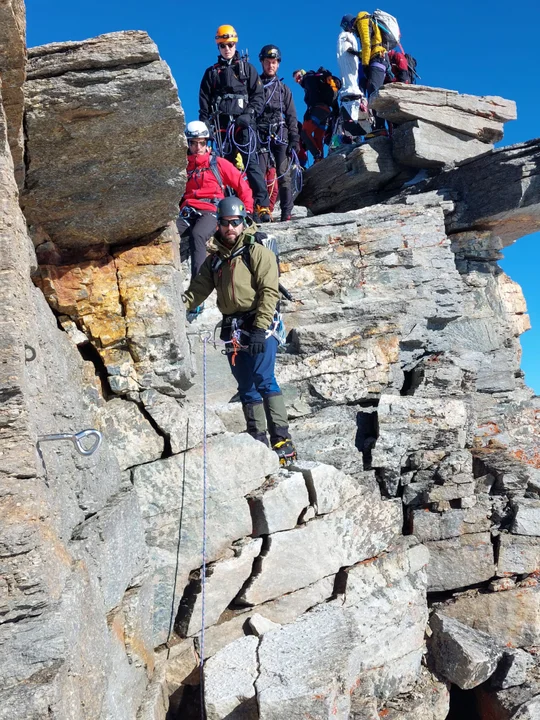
(476, 48)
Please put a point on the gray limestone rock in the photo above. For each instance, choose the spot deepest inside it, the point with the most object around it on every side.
(180, 420)
(428, 525)
(260, 625)
(464, 656)
(331, 541)
(12, 74)
(170, 494)
(518, 555)
(223, 582)
(111, 543)
(459, 562)
(429, 699)
(499, 192)
(229, 681)
(424, 145)
(373, 638)
(278, 504)
(347, 176)
(480, 117)
(512, 617)
(132, 437)
(328, 487)
(526, 517)
(104, 140)
(513, 669)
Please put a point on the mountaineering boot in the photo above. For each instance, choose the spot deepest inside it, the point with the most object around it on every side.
(263, 214)
(256, 421)
(285, 451)
(278, 427)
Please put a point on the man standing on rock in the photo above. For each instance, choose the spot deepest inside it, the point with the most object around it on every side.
(231, 97)
(244, 274)
(278, 129)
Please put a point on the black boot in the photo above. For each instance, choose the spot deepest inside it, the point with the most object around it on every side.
(256, 421)
(278, 426)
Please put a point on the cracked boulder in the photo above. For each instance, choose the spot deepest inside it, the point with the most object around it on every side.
(128, 305)
(366, 643)
(330, 541)
(464, 656)
(105, 145)
(229, 681)
(171, 499)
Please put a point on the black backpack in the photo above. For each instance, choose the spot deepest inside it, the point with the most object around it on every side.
(412, 63)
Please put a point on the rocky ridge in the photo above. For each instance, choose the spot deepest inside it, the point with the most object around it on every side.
(418, 480)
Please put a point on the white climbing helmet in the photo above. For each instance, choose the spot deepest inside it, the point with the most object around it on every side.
(197, 129)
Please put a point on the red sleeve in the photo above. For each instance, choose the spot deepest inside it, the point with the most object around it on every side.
(233, 178)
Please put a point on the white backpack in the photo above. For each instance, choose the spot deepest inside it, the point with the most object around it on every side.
(389, 27)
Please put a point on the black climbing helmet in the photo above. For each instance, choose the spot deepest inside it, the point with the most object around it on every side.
(231, 207)
(347, 21)
(270, 51)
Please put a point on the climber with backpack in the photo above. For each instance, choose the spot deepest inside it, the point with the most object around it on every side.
(231, 97)
(378, 33)
(320, 95)
(354, 116)
(244, 273)
(208, 179)
(277, 127)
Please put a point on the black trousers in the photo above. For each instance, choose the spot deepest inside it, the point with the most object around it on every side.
(279, 151)
(374, 82)
(199, 230)
(244, 137)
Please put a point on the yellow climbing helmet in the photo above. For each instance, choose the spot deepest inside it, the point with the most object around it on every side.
(226, 32)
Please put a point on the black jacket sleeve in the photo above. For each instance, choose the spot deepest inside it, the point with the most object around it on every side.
(255, 91)
(291, 119)
(205, 96)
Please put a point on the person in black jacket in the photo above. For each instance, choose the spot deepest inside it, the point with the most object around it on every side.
(320, 95)
(230, 99)
(278, 128)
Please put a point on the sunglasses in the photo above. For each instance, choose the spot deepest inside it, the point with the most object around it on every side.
(224, 45)
(200, 143)
(234, 223)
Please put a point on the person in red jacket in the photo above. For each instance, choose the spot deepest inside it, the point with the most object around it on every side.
(208, 176)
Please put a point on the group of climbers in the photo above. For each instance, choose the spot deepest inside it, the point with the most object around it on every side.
(240, 155)
(369, 54)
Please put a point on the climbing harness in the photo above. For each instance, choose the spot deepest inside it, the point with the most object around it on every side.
(77, 439)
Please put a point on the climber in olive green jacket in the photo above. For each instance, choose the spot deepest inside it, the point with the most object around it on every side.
(244, 274)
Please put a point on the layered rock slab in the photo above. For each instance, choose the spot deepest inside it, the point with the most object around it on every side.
(480, 117)
(104, 141)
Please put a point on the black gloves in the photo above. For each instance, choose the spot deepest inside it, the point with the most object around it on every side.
(293, 145)
(244, 121)
(257, 341)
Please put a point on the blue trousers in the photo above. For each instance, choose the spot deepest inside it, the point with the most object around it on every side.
(255, 374)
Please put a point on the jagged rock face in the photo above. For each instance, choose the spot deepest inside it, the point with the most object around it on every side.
(71, 543)
(407, 406)
(105, 147)
(12, 75)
